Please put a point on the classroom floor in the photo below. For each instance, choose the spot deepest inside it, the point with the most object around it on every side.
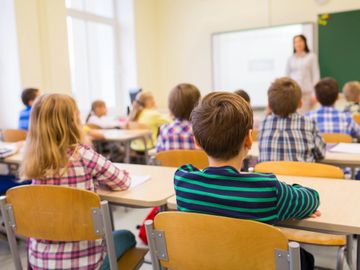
(325, 257)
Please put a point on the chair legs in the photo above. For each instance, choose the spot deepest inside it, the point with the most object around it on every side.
(349, 251)
(340, 258)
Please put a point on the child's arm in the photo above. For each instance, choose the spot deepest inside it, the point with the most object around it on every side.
(296, 201)
(320, 146)
(104, 172)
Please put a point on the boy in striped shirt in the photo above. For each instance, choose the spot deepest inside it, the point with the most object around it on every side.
(222, 126)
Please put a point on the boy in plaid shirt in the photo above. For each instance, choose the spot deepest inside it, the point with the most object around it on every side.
(351, 91)
(284, 134)
(178, 134)
(328, 118)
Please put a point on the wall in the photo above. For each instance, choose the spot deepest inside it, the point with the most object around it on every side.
(42, 43)
(174, 35)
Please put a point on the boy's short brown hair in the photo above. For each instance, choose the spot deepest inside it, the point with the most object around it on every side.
(243, 94)
(182, 100)
(29, 94)
(327, 91)
(352, 91)
(284, 96)
(220, 123)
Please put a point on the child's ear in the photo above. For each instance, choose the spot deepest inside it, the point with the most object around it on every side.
(197, 145)
(248, 140)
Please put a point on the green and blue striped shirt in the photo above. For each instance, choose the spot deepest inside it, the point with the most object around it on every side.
(256, 196)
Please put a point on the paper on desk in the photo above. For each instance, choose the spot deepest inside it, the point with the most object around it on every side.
(7, 149)
(138, 180)
(347, 148)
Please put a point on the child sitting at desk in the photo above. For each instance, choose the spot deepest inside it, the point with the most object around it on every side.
(98, 116)
(285, 134)
(328, 118)
(178, 134)
(54, 155)
(27, 97)
(222, 125)
(352, 95)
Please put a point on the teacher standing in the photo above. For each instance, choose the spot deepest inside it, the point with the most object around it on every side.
(303, 67)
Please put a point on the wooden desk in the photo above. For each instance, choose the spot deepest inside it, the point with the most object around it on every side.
(339, 200)
(126, 136)
(337, 159)
(153, 192)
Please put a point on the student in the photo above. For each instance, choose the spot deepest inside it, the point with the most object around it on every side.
(178, 134)
(284, 134)
(351, 91)
(243, 94)
(328, 118)
(27, 96)
(98, 116)
(54, 155)
(222, 124)
(143, 113)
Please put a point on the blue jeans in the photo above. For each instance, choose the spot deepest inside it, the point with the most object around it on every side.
(123, 241)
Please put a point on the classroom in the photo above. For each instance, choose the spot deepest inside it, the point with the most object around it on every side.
(179, 134)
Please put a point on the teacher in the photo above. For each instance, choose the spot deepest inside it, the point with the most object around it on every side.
(303, 67)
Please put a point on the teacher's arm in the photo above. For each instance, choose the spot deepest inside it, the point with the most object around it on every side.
(287, 69)
(315, 70)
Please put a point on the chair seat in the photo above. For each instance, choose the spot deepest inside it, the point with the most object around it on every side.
(314, 238)
(132, 259)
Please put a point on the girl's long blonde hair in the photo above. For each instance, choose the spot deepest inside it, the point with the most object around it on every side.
(54, 130)
(139, 105)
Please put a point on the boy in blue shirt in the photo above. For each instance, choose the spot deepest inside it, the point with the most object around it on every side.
(28, 96)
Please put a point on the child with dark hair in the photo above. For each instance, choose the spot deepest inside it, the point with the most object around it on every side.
(28, 97)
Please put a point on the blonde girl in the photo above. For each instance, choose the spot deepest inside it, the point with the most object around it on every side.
(54, 155)
(144, 114)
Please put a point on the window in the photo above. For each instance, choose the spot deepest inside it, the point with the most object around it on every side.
(92, 34)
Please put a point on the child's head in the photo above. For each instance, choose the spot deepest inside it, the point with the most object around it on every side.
(221, 124)
(143, 100)
(327, 91)
(28, 96)
(182, 100)
(54, 129)
(98, 107)
(284, 96)
(352, 91)
(243, 94)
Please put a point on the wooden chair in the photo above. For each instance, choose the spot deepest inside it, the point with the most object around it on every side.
(309, 170)
(92, 126)
(255, 135)
(75, 215)
(177, 158)
(179, 240)
(13, 135)
(337, 138)
(356, 118)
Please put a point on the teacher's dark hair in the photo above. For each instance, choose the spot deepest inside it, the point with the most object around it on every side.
(307, 50)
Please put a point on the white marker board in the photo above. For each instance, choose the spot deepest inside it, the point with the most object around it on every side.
(252, 59)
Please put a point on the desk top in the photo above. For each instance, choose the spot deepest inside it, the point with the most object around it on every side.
(154, 192)
(339, 200)
(337, 159)
(124, 134)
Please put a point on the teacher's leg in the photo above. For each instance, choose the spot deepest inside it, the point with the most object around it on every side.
(307, 102)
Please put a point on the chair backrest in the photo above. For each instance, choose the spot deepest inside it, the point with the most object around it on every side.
(197, 241)
(177, 158)
(93, 126)
(356, 118)
(56, 213)
(336, 138)
(255, 134)
(297, 168)
(13, 135)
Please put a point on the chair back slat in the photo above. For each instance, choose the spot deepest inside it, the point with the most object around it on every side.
(296, 168)
(336, 138)
(13, 135)
(198, 241)
(53, 212)
(177, 158)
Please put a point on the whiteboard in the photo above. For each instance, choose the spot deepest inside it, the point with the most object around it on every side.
(252, 59)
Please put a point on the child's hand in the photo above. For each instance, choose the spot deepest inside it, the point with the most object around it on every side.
(316, 214)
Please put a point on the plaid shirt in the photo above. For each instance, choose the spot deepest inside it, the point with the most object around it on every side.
(86, 170)
(176, 135)
(352, 107)
(331, 120)
(292, 138)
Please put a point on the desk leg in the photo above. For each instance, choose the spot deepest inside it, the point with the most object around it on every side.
(127, 152)
(358, 252)
(111, 208)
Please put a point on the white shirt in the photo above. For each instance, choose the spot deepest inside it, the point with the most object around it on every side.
(304, 70)
(103, 121)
